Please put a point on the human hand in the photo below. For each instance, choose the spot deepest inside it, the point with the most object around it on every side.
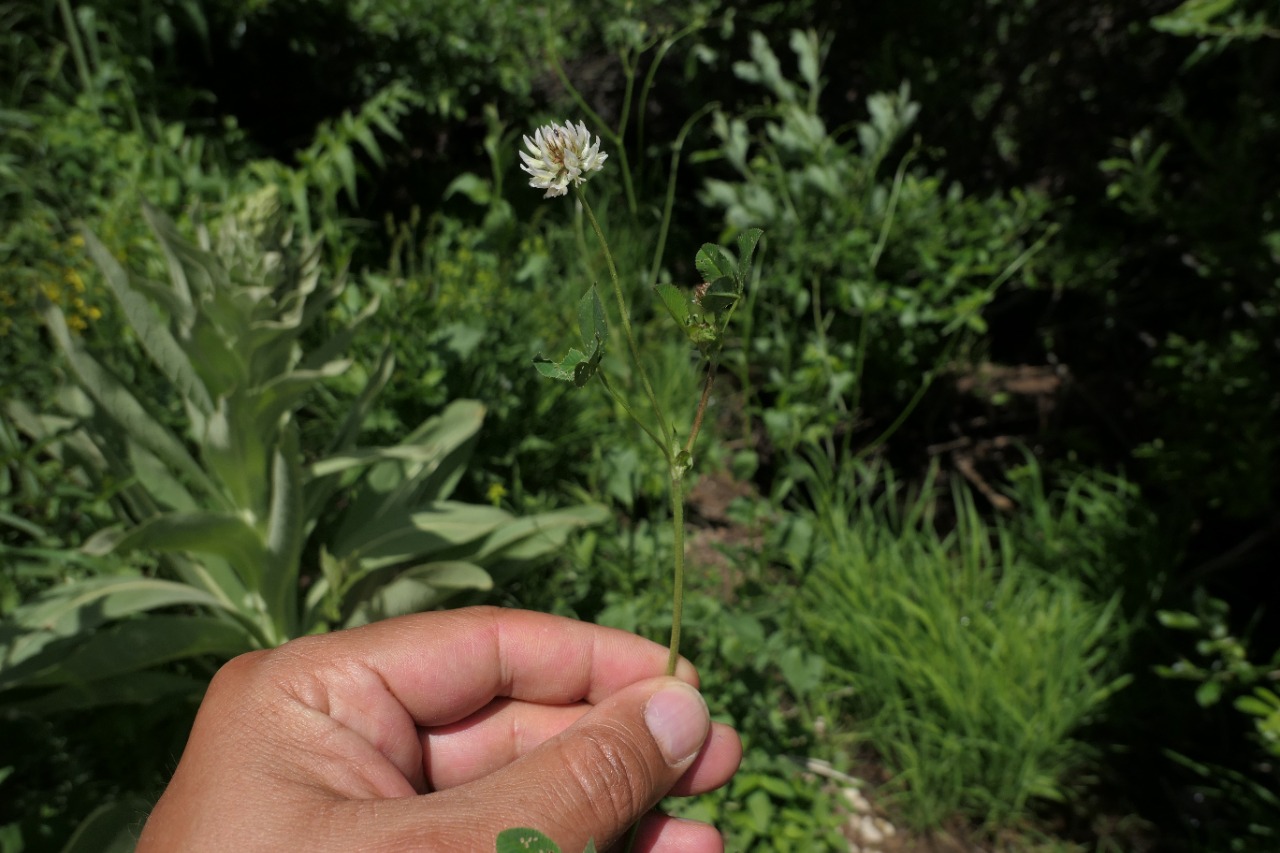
(438, 731)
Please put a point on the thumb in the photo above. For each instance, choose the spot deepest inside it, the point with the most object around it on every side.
(604, 772)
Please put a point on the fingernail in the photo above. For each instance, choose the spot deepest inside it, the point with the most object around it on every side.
(678, 719)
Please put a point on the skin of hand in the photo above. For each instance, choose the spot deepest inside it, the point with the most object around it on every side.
(436, 732)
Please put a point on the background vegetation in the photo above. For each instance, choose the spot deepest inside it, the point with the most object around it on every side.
(985, 524)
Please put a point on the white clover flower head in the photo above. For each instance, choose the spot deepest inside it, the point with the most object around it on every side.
(559, 154)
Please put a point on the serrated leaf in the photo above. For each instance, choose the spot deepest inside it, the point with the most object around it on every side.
(676, 302)
(591, 322)
(563, 369)
(747, 242)
(712, 263)
(720, 295)
(583, 372)
(576, 367)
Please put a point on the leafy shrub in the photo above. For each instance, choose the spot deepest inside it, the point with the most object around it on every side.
(1218, 22)
(873, 280)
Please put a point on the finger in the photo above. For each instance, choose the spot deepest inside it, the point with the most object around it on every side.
(491, 738)
(591, 781)
(444, 666)
(506, 730)
(659, 833)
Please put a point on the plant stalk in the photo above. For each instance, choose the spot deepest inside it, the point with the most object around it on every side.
(677, 593)
(702, 408)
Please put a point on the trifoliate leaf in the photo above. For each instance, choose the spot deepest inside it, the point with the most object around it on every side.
(712, 263)
(720, 295)
(558, 369)
(578, 366)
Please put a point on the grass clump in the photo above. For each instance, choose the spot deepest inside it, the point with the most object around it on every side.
(967, 668)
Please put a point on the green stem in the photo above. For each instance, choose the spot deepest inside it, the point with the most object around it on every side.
(677, 522)
(702, 408)
(628, 72)
(623, 403)
(892, 207)
(663, 424)
(607, 132)
(670, 202)
(77, 49)
(677, 593)
(661, 54)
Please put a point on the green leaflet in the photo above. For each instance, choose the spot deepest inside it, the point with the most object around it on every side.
(705, 315)
(525, 840)
(577, 366)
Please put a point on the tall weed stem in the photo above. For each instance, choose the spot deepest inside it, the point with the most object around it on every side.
(677, 593)
(678, 460)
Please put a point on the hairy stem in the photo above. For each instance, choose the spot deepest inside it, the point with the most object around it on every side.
(667, 206)
(702, 408)
(677, 592)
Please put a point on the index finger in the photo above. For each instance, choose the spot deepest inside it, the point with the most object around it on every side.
(445, 665)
